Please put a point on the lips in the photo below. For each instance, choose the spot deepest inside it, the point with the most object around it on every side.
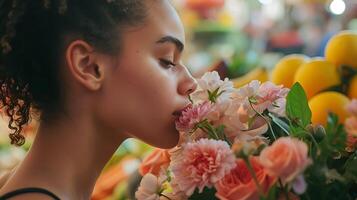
(178, 113)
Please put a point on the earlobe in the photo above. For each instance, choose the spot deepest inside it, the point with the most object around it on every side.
(82, 64)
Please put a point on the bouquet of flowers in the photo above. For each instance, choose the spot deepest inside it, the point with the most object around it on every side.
(253, 142)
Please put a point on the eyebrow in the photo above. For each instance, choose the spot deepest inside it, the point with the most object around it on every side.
(179, 45)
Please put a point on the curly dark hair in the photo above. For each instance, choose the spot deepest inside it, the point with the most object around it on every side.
(32, 36)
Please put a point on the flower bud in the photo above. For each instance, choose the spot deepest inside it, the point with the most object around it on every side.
(320, 133)
(310, 129)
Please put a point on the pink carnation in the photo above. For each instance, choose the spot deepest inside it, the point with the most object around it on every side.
(201, 164)
(192, 115)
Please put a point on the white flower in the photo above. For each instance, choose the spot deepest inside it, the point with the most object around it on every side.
(211, 81)
(247, 91)
(278, 107)
(245, 95)
(257, 97)
(273, 97)
(149, 188)
(234, 120)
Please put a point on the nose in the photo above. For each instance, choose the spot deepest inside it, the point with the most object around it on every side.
(187, 84)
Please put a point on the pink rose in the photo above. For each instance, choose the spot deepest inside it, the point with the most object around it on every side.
(201, 164)
(239, 183)
(154, 162)
(286, 158)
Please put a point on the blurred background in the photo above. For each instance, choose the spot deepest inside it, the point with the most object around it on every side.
(251, 33)
(234, 37)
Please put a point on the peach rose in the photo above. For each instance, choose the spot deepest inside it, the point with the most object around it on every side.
(239, 183)
(154, 162)
(286, 158)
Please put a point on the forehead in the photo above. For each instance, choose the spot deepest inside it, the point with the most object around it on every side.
(163, 19)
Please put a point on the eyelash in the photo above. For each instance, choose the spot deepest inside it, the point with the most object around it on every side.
(167, 64)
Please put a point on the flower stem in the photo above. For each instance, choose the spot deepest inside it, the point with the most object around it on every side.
(211, 131)
(285, 189)
(252, 172)
(266, 121)
(271, 128)
(312, 138)
(165, 196)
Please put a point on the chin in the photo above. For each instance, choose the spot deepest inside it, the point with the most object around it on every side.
(169, 139)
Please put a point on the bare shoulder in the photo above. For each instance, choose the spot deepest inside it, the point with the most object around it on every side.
(4, 177)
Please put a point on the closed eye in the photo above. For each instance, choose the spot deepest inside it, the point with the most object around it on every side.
(166, 63)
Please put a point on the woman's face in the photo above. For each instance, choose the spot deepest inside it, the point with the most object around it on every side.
(149, 82)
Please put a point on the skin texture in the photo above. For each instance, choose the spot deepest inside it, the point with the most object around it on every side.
(107, 99)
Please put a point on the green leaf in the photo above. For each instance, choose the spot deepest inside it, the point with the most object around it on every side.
(212, 96)
(273, 193)
(297, 107)
(298, 132)
(336, 136)
(280, 123)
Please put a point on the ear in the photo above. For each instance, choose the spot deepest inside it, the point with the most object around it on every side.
(82, 63)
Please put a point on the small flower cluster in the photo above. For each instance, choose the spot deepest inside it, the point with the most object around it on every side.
(351, 126)
(242, 144)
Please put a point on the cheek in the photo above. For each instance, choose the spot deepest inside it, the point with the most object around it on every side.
(139, 98)
(150, 89)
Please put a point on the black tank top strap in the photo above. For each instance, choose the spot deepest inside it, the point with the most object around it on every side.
(28, 190)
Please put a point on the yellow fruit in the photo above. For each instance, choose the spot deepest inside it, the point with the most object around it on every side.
(284, 71)
(352, 90)
(259, 74)
(342, 49)
(317, 75)
(326, 102)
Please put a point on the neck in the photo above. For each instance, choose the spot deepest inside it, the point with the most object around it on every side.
(71, 152)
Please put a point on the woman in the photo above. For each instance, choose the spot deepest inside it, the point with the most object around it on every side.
(96, 72)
